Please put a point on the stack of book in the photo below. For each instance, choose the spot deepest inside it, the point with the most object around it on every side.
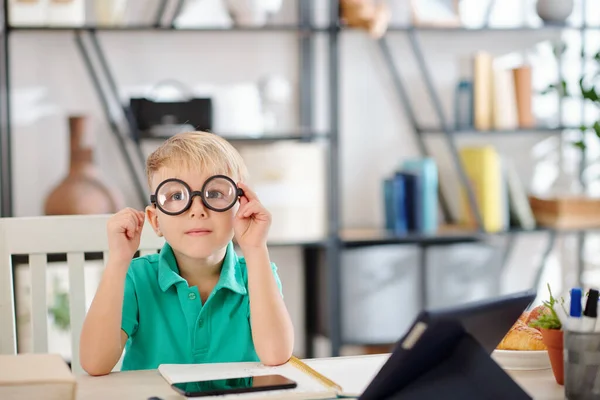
(411, 198)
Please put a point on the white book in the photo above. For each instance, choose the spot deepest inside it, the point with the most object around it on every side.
(314, 377)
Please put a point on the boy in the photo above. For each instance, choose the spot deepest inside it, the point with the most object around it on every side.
(196, 301)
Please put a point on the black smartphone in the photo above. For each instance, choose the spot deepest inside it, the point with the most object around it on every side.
(234, 385)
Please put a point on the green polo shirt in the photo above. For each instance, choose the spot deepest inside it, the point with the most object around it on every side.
(167, 323)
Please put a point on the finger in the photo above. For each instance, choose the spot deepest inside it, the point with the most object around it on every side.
(141, 218)
(243, 201)
(134, 220)
(242, 209)
(254, 207)
(249, 193)
(130, 227)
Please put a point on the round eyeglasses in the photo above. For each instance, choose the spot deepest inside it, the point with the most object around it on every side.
(174, 196)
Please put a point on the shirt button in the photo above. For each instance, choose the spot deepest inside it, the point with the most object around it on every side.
(200, 323)
(192, 296)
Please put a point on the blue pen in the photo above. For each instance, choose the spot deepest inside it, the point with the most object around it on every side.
(575, 312)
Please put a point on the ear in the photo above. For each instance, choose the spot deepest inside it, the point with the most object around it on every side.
(152, 216)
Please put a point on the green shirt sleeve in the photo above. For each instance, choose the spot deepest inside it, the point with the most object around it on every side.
(129, 319)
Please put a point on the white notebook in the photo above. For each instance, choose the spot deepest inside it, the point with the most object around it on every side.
(316, 378)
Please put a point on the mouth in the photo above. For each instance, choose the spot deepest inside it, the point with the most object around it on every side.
(198, 232)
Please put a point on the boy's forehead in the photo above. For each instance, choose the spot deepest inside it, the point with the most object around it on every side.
(192, 176)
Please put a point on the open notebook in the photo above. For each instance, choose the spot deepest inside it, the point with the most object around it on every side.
(320, 378)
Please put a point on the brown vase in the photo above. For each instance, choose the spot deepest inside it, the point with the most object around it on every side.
(82, 191)
(553, 339)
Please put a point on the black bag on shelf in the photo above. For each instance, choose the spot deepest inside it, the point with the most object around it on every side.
(155, 118)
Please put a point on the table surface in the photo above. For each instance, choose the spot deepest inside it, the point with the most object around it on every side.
(540, 384)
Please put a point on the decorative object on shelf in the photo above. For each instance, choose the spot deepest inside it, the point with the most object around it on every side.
(109, 12)
(275, 93)
(238, 110)
(66, 13)
(47, 12)
(169, 108)
(82, 191)
(252, 12)
(27, 12)
(438, 13)
(370, 15)
(554, 11)
(566, 212)
(203, 13)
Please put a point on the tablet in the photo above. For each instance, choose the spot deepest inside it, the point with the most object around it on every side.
(436, 337)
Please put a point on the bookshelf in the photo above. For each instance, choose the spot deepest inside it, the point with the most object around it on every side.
(450, 133)
(337, 239)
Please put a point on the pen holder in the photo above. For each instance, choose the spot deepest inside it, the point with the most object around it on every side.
(582, 365)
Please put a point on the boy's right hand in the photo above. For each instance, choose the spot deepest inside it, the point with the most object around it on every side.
(124, 232)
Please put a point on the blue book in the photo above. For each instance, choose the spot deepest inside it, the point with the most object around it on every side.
(389, 209)
(413, 201)
(394, 192)
(426, 168)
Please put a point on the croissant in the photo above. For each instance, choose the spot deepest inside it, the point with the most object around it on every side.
(522, 337)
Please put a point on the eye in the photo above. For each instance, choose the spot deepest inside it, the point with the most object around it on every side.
(177, 196)
(214, 194)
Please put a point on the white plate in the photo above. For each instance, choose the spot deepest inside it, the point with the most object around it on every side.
(522, 360)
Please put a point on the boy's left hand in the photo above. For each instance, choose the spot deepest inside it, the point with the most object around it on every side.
(252, 221)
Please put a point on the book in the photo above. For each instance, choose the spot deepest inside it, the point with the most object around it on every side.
(523, 95)
(36, 376)
(483, 168)
(426, 168)
(413, 201)
(483, 82)
(314, 376)
(395, 199)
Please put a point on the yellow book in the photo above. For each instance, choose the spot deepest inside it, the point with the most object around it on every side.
(483, 168)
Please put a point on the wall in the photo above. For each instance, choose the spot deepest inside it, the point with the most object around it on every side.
(50, 82)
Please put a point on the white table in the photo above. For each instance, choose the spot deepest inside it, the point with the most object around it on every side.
(133, 385)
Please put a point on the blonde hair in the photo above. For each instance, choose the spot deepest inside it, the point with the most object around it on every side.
(202, 151)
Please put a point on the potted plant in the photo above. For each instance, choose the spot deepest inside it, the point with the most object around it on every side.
(550, 326)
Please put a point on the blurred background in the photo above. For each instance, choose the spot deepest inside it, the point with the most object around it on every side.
(414, 153)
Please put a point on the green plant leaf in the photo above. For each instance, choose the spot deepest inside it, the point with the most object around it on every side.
(551, 88)
(583, 128)
(597, 128)
(563, 88)
(597, 57)
(548, 320)
(580, 144)
(588, 94)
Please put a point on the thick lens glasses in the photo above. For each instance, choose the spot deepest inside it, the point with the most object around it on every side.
(174, 196)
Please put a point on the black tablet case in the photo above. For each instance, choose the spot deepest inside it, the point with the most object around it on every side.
(446, 362)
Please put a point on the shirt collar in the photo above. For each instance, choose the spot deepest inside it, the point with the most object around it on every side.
(231, 275)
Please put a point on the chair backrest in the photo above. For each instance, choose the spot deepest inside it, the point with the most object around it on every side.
(37, 237)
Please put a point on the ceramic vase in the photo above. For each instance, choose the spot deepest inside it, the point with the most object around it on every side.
(82, 191)
(252, 12)
(554, 11)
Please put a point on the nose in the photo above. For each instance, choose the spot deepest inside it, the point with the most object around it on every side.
(197, 208)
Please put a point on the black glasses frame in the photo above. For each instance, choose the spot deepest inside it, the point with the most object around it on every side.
(153, 198)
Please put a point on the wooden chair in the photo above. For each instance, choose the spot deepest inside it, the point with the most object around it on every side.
(37, 237)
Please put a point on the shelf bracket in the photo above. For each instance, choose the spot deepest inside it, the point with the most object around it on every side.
(6, 184)
(448, 134)
(114, 125)
(410, 114)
